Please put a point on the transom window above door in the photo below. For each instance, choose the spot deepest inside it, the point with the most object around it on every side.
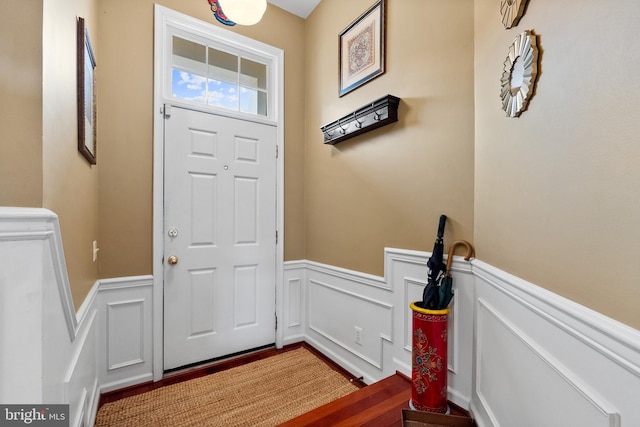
(205, 75)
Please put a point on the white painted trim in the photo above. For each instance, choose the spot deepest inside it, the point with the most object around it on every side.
(592, 360)
(328, 336)
(54, 342)
(583, 390)
(87, 406)
(279, 101)
(592, 335)
(132, 299)
(595, 360)
(351, 275)
(587, 321)
(164, 17)
(42, 224)
(126, 282)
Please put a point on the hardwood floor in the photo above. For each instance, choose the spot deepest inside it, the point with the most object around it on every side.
(376, 405)
(379, 404)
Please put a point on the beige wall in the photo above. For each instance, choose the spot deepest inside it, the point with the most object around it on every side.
(387, 188)
(40, 165)
(21, 106)
(70, 186)
(550, 197)
(126, 121)
(556, 198)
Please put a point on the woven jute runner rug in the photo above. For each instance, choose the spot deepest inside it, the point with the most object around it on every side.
(262, 393)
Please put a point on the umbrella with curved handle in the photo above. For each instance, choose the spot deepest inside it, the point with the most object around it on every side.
(445, 290)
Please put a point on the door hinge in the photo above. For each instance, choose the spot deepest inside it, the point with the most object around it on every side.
(277, 151)
(276, 237)
(276, 322)
(165, 110)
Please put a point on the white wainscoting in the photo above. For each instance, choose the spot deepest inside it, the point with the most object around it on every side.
(542, 360)
(518, 355)
(47, 351)
(325, 305)
(125, 344)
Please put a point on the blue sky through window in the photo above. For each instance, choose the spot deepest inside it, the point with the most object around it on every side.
(222, 94)
(192, 87)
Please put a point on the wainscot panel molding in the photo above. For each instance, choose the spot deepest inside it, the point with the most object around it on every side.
(293, 323)
(518, 354)
(406, 271)
(125, 317)
(48, 355)
(335, 305)
(541, 359)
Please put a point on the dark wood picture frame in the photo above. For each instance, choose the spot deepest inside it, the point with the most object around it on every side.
(362, 49)
(86, 85)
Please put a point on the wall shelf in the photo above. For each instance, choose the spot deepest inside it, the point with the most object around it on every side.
(380, 112)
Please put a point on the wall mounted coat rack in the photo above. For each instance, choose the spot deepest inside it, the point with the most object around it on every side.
(379, 113)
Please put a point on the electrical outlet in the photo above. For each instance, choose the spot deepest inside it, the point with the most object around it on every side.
(95, 250)
(358, 334)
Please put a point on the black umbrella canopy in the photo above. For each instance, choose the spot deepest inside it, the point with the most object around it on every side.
(436, 268)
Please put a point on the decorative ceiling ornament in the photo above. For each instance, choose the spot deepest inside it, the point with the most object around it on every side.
(219, 14)
(512, 11)
(243, 12)
(519, 74)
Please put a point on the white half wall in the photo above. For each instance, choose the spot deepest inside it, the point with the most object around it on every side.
(542, 360)
(126, 332)
(49, 354)
(324, 306)
(518, 354)
(47, 351)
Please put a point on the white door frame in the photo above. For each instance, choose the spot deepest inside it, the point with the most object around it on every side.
(164, 18)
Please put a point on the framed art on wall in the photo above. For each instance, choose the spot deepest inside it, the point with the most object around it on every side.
(512, 11)
(86, 86)
(519, 74)
(361, 49)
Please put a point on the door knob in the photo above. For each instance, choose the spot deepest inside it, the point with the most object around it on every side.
(173, 260)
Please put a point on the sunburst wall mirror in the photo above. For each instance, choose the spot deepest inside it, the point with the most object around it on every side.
(512, 11)
(519, 74)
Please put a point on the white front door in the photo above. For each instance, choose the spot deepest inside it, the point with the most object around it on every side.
(220, 225)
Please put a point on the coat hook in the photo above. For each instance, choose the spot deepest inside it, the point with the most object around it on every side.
(358, 123)
(343, 129)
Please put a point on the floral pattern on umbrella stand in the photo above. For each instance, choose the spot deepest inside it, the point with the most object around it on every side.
(425, 363)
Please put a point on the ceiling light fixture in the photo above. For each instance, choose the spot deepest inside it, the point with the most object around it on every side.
(243, 12)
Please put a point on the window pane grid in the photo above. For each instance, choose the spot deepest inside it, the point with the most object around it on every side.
(205, 75)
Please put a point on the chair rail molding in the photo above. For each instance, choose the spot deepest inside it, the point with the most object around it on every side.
(514, 347)
(330, 303)
(48, 353)
(588, 363)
